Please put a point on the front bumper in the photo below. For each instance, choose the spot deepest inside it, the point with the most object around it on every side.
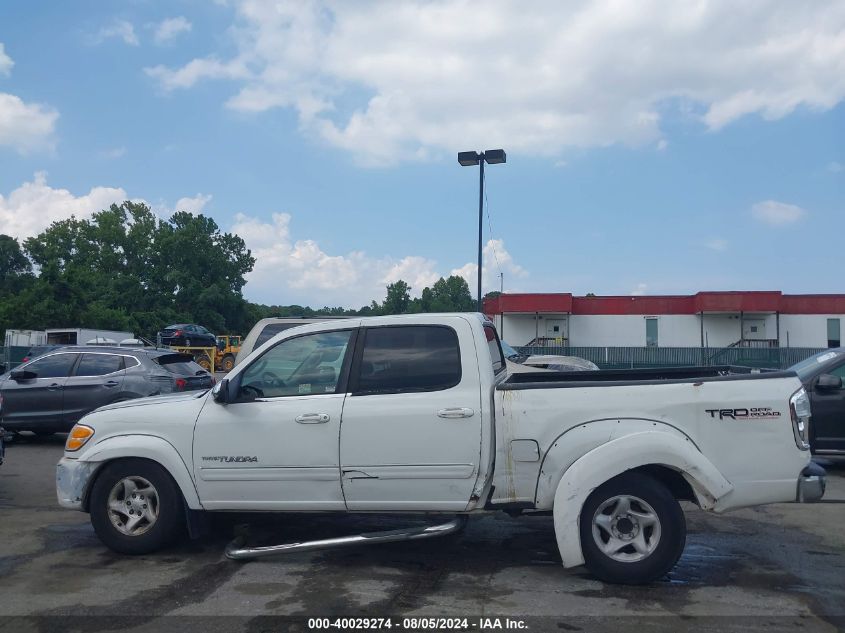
(72, 477)
(811, 483)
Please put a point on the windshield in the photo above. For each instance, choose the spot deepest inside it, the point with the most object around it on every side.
(807, 368)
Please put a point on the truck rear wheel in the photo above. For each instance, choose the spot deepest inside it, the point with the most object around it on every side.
(228, 363)
(632, 530)
(136, 508)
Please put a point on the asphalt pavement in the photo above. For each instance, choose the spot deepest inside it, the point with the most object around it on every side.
(773, 568)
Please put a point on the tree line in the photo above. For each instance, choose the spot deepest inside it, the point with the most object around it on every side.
(127, 269)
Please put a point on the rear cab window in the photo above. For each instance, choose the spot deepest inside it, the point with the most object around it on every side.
(413, 358)
(495, 348)
(271, 330)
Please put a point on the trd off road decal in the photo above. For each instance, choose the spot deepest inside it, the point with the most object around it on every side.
(231, 458)
(743, 413)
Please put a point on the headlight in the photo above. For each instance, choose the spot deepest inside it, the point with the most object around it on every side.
(799, 409)
(78, 437)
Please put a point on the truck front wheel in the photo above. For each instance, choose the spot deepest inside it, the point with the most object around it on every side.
(136, 508)
(632, 530)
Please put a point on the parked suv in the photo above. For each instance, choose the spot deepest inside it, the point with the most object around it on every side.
(50, 393)
(187, 335)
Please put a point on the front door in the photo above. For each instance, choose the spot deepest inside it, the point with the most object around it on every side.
(36, 403)
(827, 423)
(411, 431)
(556, 330)
(275, 447)
(754, 329)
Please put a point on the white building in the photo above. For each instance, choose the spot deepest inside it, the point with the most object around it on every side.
(705, 319)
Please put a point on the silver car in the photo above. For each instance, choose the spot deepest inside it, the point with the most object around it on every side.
(52, 392)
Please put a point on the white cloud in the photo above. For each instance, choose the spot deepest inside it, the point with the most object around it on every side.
(640, 290)
(494, 259)
(299, 271)
(777, 213)
(33, 206)
(393, 80)
(717, 244)
(196, 70)
(26, 127)
(120, 29)
(113, 153)
(192, 205)
(6, 62)
(169, 28)
(836, 168)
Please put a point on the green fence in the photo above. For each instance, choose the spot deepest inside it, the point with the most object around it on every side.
(645, 357)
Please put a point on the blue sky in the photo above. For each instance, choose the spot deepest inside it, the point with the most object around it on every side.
(657, 148)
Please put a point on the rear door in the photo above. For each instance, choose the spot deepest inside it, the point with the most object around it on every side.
(828, 414)
(36, 403)
(411, 430)
(96, 381)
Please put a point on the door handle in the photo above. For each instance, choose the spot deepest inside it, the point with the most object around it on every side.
(54, 387)
(313, 418)
(111, 383)
(455, 412)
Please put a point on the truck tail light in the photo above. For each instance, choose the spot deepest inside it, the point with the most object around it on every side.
(78, 437)
(799, 409)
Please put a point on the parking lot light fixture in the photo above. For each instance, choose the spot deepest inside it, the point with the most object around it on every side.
(470, 159)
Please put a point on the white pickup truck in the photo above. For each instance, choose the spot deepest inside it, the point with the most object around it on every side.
(418, 414)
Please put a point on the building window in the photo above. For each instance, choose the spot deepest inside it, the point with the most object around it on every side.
(833, 336)
(651, 332)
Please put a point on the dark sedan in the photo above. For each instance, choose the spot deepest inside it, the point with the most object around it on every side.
(822, 376)
(187, 335)
(52, 392)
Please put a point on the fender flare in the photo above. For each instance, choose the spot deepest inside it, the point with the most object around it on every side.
(150, 447)
(614, 458)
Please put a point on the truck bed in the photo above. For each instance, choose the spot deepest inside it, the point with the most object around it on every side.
(619, 377)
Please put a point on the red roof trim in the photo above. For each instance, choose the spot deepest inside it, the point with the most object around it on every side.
(733, 302)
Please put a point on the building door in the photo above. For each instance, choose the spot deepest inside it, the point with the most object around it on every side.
(754, 329)
(556, 330)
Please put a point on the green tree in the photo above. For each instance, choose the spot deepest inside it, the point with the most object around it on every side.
(447, 295)
(398, 298)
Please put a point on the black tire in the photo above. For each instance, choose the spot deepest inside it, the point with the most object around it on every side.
(187, 342)
(667, 547)
(170, 521)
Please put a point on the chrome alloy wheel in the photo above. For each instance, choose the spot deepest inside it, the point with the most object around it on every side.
(626, 528)
(133, 505)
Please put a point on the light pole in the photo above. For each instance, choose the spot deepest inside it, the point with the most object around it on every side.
(468, 159)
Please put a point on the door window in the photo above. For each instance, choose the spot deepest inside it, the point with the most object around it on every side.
(839, 371)
(304, 365)
(409, 358)
(55, 366)
(99, 364)
(271, 330)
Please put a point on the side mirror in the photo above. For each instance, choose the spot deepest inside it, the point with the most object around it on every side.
(22, 374)
(220, 392)
(828, 382)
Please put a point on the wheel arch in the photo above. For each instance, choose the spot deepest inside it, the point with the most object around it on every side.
(674, 461)
(146, 447)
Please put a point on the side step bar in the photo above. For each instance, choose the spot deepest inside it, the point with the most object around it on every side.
(237, 550)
